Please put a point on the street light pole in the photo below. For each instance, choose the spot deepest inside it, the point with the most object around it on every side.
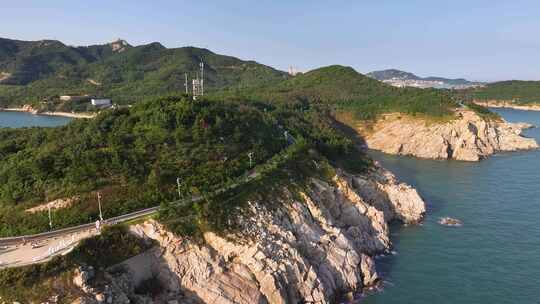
(50, 217)
(178, 187)
(99, 204)
(250, 154)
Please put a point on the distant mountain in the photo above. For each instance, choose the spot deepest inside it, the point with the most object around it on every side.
(403, 79)
(22, 62)
(32, 71)
(391, 74)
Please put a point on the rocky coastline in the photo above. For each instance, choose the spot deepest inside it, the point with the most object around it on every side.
(507, 104)
(316, 246)
(468, 137)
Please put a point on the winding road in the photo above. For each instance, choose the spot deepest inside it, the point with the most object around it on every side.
(38, 248)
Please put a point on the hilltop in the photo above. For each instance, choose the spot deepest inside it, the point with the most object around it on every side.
(37, 71)
(403, 79)
(392, 73)
(344, 89)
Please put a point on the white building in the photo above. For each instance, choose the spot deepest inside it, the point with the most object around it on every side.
(73, 97)
(101, 102)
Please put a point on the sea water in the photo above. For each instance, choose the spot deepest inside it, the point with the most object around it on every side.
(495, 256)
(24, 119)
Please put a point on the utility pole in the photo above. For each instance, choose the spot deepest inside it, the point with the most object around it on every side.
(50, 217)
(99, 203)
(202, 78)
(250, 155)
(178, 185)
(186, 83)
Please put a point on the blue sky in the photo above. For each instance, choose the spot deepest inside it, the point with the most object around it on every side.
(479, 40)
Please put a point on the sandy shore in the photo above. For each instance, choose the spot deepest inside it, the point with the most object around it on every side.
(508, 105)
(62, 114)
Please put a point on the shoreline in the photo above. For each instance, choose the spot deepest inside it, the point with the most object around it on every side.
(399, 134)
(507, 105)
(48, 113)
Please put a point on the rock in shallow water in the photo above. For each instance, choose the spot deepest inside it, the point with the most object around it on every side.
(452, 222)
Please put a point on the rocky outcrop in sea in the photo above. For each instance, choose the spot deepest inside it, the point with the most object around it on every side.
(314, 246)
(469, 137)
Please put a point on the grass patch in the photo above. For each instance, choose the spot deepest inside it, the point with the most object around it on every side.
(483, 112)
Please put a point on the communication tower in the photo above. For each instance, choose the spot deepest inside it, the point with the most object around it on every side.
(198, 83)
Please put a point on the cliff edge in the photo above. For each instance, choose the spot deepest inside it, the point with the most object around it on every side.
(311, 246)
(468, 138)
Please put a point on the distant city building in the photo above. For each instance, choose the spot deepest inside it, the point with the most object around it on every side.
(101, 102)
(423, 84)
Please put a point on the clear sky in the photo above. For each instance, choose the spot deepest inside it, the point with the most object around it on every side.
(477, 39)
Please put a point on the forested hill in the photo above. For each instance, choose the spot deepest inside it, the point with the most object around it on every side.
(31, 72)
(38, 72)
(345, 89)
(22, 62)
(135, 155)
(518, 91)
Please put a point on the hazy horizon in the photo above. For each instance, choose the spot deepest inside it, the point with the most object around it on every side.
(481, 41)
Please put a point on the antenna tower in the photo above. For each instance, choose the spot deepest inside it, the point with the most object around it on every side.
(186, 83)
(202, 77)
(198, 84)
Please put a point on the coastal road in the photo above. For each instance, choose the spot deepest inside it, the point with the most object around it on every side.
(38, 248)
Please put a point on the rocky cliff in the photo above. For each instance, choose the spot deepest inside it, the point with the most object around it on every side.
(469, 137)
(309, 247)
(510, 104)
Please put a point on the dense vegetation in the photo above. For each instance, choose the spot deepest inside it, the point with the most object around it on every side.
(38, 72)
(131, 74)
(483, 111)
(519, 92)
(134, 156)
(38, 282)
(344, 89)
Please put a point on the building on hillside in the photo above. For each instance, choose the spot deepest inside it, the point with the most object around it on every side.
(101, 102)
(73, 97)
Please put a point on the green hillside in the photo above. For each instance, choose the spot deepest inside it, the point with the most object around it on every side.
(134, 156)
(345, 89)
(520, 92)
(130, 74)
(32, 72)
(28, 61)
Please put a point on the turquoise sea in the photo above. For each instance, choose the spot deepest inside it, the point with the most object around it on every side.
(22, 119)
(495, 256)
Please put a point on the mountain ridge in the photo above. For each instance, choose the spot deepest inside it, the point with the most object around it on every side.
(39, 71)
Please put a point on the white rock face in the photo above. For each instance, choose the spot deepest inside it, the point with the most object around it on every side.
(510, 104)
(468, 138)
(311, 247)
